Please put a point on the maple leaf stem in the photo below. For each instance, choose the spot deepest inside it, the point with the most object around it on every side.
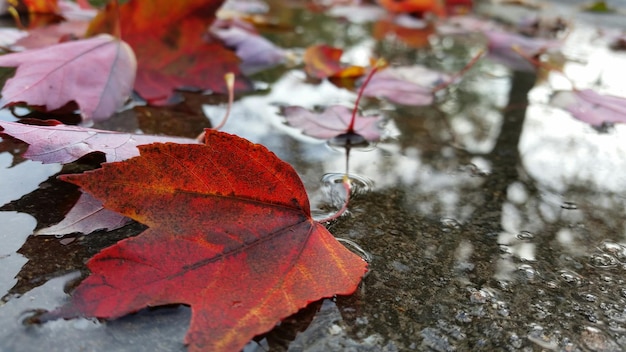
(455, 76)
(379, 64)
(543, 65)
(117, 28)
(16, 16)
(347, 187)
(230, 84)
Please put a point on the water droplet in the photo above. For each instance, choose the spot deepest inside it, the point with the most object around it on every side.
(237, 304)
(540, 338)
(480, 296)
(525, 236)
(515, 341)
(589, 297)
(359, 184)
(68, 240)
(552, 284)
(528, 271)
(569, 206)
(473, 170)
(596, 340)
(603, 260)
(571, 277)
(449, 224)
(614, 249)
(463, 317)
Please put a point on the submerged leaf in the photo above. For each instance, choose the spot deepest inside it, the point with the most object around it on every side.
(97, 73)
(87, 216)
(230, 234)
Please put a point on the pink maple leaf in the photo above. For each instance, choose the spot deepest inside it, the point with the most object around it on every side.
(97, 73)
(256, 52)
(64, 144)
(593, 108)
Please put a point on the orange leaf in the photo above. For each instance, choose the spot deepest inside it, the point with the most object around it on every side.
(323, 61)
(36, 6)
(413, 37)
(173, 47)
(230, 234)
(414, 6)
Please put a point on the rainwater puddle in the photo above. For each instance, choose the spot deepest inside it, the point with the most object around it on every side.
(490, 220)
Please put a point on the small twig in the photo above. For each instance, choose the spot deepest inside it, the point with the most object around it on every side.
(458, 74)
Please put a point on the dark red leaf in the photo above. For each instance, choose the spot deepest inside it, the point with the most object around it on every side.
(173, 47)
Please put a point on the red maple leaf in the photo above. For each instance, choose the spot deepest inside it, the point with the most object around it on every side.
(173, 46)
(230, 234)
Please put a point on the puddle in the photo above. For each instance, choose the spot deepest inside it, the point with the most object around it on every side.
(490, 220)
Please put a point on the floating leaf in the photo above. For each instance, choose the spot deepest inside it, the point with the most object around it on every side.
(230, 234)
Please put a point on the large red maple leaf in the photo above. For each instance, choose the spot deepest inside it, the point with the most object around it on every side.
(230, 234)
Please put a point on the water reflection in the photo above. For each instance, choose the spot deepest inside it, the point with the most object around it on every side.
(16, 227)
(476, 240)
(23, 178)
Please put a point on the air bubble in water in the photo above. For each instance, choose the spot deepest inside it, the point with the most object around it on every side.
(525, 236)
(571, 277)
(569, 206)
(603, 260)
(614, 249)
(449, 224)
(528, 271)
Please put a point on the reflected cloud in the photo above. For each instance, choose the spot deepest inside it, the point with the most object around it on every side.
(16, 227)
